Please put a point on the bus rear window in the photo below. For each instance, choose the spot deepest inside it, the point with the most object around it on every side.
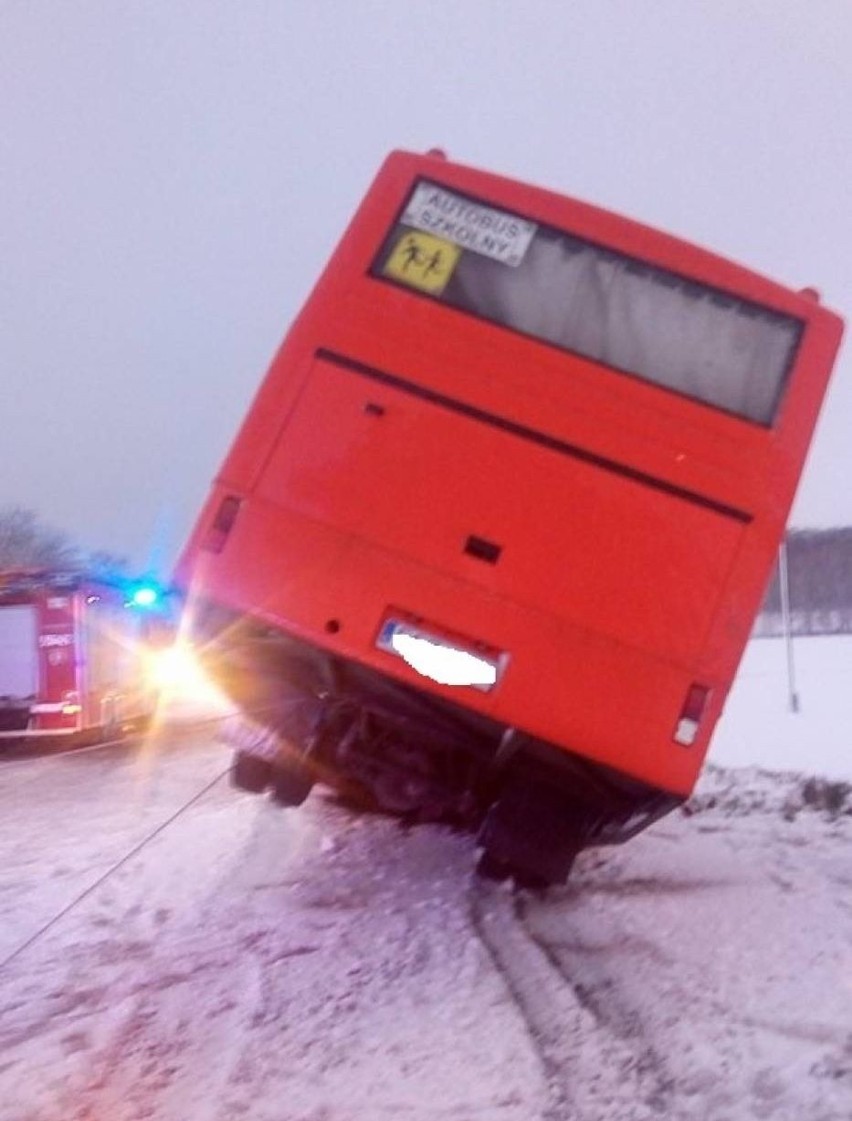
(622, 312)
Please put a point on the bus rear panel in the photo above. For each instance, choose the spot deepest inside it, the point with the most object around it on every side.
(493, 535)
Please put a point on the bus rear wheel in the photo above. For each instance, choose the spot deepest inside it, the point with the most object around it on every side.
(291, 781)
(533, 833)
(250, 773)
(491, 867)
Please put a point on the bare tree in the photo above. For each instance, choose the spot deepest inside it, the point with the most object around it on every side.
(26, 542)
(106, 565)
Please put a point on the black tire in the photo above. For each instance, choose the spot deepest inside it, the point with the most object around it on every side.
(292, 781)
(532, 881)
(401, 794)
(490, 867)
(534, 829)
(250, 772)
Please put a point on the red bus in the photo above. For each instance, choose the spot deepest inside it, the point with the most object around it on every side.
(492, 537)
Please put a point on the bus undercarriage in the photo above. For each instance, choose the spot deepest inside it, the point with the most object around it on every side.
(310, 717)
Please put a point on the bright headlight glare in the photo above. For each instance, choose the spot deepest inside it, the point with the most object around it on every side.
(177, 673)
(174, 668)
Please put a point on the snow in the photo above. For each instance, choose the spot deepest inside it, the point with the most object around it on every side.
(176, 951)
(758, 726)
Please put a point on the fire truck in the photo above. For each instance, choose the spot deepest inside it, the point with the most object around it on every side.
(75, 652)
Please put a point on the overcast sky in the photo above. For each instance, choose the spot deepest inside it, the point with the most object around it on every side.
(173, 174)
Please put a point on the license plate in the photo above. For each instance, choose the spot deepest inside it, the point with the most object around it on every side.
(444, 659)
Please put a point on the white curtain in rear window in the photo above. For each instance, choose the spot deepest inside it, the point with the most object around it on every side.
(636, 318)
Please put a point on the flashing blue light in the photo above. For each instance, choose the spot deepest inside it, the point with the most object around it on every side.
(146, 596)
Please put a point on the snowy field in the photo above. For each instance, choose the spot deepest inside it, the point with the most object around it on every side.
(174, 951)
(758, 726)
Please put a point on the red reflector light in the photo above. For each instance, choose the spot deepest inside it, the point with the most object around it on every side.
(222, 524)
(691, 714)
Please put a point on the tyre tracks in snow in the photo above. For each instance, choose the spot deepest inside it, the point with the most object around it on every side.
(592, 1069)
(687, 957)
(241, 958)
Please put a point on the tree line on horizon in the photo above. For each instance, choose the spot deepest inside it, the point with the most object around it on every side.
(819, 568)
(26, 541)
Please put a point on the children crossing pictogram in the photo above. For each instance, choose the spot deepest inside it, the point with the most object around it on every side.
(423, 261)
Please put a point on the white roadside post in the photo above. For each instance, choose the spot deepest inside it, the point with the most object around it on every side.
(784, 585)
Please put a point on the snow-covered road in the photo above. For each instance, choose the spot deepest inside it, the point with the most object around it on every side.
(313, 965)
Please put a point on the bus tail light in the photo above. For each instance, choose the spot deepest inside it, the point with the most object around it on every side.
(222, 524)
(691, 714)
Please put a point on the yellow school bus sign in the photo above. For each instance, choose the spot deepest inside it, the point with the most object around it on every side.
(423, 261)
